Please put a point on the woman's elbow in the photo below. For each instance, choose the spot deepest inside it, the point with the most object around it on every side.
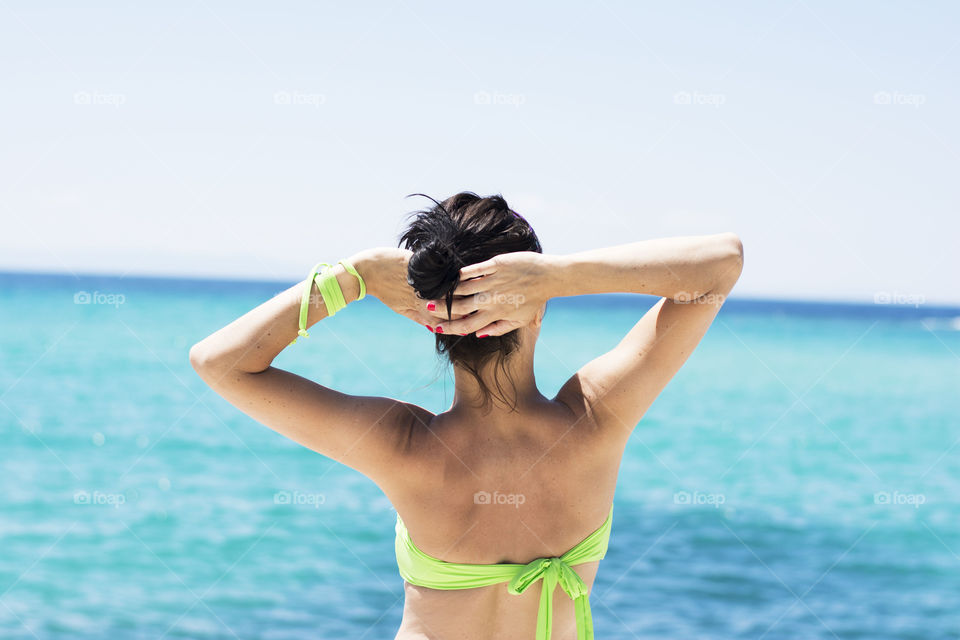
(732, 245)
(731, 265)
(200, 358)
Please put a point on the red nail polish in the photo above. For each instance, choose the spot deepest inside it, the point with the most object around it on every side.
(429, 327)
(483, 335)
(431, 306)
(463, 334)
(439, 329)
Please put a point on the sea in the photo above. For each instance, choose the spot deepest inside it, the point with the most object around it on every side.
(799, 478)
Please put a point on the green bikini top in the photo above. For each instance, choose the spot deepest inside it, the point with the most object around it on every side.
(416, 567)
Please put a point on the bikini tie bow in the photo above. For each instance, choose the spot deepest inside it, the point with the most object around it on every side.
(554, 571)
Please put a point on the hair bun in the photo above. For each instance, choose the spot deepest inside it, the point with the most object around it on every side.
(434, 269)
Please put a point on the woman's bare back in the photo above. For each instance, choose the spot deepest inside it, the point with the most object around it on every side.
(507, 488)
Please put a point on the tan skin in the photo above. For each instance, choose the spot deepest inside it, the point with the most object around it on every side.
(561, 454)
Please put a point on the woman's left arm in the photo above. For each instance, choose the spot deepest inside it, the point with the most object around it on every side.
(365, 433)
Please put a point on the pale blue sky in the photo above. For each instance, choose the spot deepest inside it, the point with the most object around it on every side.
(254, 139)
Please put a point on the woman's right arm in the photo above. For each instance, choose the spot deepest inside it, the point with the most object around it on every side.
(693, 275)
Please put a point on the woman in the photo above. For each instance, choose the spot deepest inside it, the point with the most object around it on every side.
(508, 494)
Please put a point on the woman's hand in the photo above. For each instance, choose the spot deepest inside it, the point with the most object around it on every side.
(496, 296)
(384, 271)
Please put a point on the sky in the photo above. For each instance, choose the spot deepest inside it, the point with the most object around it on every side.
(252, 140)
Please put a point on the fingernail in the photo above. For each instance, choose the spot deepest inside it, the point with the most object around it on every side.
(439, 329)
(463, 334)
(483, 335)
(431, 306)
(429, 327)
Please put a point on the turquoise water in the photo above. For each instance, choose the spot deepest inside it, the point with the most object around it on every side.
(799, 478)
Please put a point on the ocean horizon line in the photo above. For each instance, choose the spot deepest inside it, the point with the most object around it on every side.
(885, 302)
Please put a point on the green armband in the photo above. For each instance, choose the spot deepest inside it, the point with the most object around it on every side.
(330, 291)
(353, 272)
(305, 300)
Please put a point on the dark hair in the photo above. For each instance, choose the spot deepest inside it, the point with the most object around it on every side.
(462, 230)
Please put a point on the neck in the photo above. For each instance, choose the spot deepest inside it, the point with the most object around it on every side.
(517, 381)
